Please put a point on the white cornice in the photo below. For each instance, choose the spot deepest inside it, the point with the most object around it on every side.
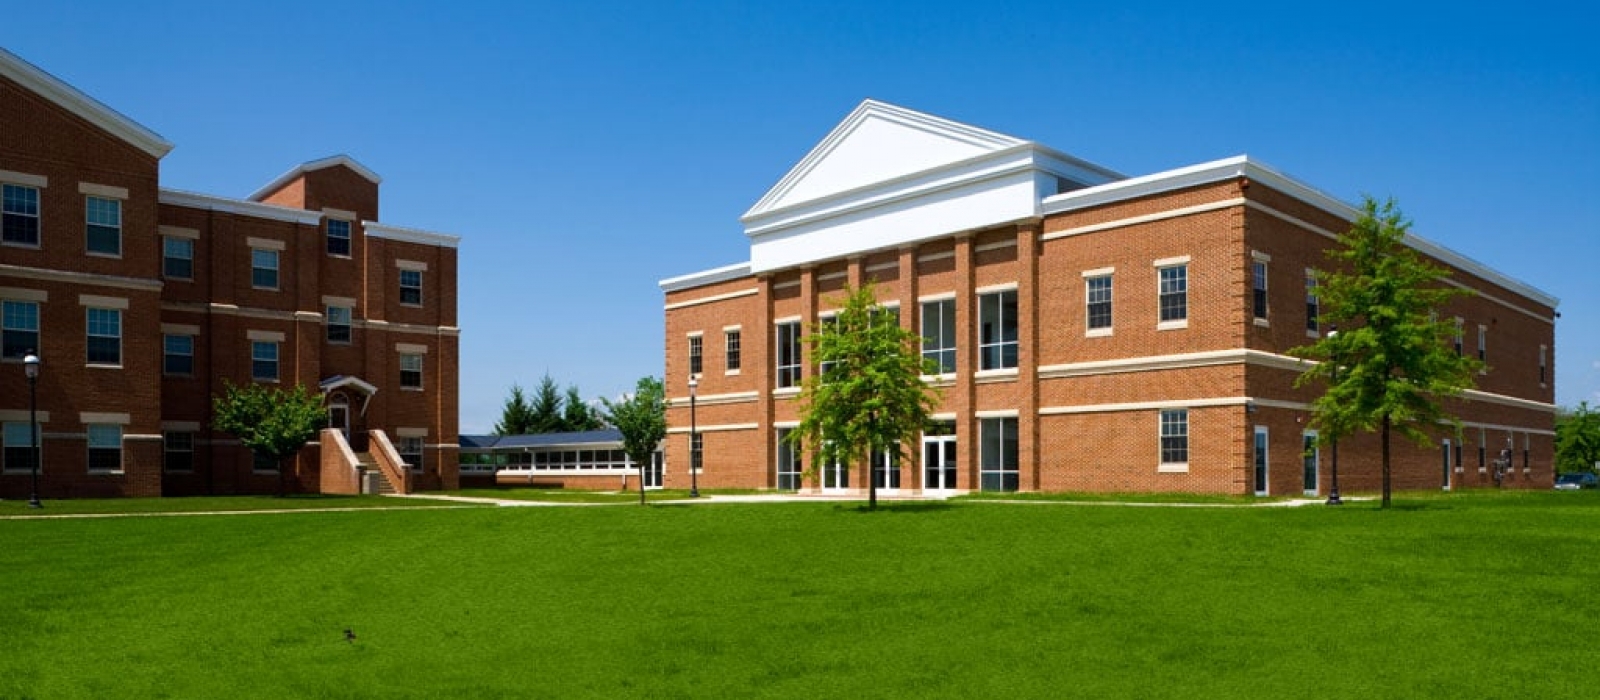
(242, 207)
(303, 168)
(705, 277)
(36, 80)
(410, 235)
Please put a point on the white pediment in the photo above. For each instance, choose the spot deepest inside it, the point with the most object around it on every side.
(878, 142)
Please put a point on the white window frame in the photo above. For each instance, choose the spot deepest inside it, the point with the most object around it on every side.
(89, 334)
(36, 216)
(37, 438)
(1181, 418)
(37, 322)
(1162, 266)
(416, 288)
(1260, 454)
(166, 243)
(1089, 279)
(330, 238)
(166, 352)
(1260, 299)
(697, 353)
(1313, 305)
(89, 438)
(998, 466)
(796, 463)
(732, 350)
(256, 267)
(999, 344)
(89, 219)
(787, 376)
(276, 360)
(933, 347)
(1544, 365)
(333, 311)
(417, 371)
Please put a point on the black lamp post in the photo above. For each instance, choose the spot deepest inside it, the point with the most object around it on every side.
(1333, 494)
(30, 367)
(694, 442)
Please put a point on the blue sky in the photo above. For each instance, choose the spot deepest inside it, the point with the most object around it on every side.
(585, 151)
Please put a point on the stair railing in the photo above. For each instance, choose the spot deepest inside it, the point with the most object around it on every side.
(389, 461)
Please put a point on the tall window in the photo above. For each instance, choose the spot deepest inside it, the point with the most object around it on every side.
(828, 323)
(177, 258)
(1174, 293)
(939, 334)
(19, 214)
(410, 450)
(105, 447)
(1460, 335)
(1259, 289)
(177, 451)
(788, 354)
(1544, 367)
(731, 346)
(997, 330)
(696, 355)
(104, 234)
(411, 371)
(1175, 436)
(411, 287)
(105, 336)
(263, 268)
(19, 444)
(177, 354)
(1483, 343)
(790, 464)
(339, 318)
(1313, 305)
(697, 448)
(1097, 296)
(998, 445)
(20, 327)
(264, 360)
(338, 237)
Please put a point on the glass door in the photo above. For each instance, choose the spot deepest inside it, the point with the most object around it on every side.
(886, 470)
(1261, 461)
(939, 458)
(1309, 449)
(653, 471)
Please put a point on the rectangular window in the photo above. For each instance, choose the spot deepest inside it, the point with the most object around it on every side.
(1483, 343)
(731, 344)
(177, 258)
(338, 237)
(261, 463)
(828, 325)
(697, 448)
(339, 318)
(20, 327)
(788, 354)
(411, 287)
(19, 441)
(177, 354)
(411, 371)
(1460, 335)
(1544, 366)
(1259, 289)
(105, 336)
(998, 442)
(177, 452)
(263, 268)
(19, 215)
(1313, 306)
(696, 355)
(410, 450)
(1175, 436)
(939, 334)
(790, 464)
(104, 233)
(997, 330)
(1097, 295)
(264, 360)
(105, 447)
(1483, 449)
(1174, 293)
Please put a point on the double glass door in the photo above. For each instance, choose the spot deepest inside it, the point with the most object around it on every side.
(939, 458)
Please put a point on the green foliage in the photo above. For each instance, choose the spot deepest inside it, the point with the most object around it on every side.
(1392, 353)
(576, 415)
(872, 398)
(642, 419)
(271, 421)
(545, 409)
(548, 412)
(1578, 439)
(517, 416)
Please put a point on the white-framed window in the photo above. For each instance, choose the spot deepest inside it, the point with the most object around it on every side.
(1097, 304)
(177, 354)
(1309, 457)
(104, 335)
(827, 324)
(264, 360)
(1175, 436)
(177, 258)
(790, 463)
(410, 451)
(19, 329)
(263, 268)
(103, 233)
(697, 450)
(1483, 343)
(1544, 366)
(19, 439)
(410, 371)
(731, 349)
(1258, 289)
(105, 447)
(1173, 294)
(339, 320)
(1260, 455)
(997, 442)
(696, 355)
(411, 287)
(177, 451)
(19, 215)
(1460, 335)
(997, 330)
(339, 237)
(1313, 307)
(788, 352)
(939, 334)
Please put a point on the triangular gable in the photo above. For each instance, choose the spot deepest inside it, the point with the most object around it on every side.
(875, 143)
(31, 78)
(313, 166)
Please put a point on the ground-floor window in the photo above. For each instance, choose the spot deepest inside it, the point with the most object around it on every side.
(263, 463)
(569, 460)
(789, 462)
(410, 449)
(177, 452)
(1175, 436)
(18, 452)
(105, 447)
(998, 459)
(1308, 448)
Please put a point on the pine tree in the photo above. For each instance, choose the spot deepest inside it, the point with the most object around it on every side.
(545, 409)
(516, 417)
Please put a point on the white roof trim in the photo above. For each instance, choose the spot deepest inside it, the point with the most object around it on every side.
(307, 167)
(211, 202)
(705, 277)
(34, 79)
(410, 235)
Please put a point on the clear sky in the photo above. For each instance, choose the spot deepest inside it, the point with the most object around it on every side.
(586, 150)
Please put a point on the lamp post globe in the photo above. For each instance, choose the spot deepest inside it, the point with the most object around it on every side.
(30, 367)
(694, 441)
(1333, 490)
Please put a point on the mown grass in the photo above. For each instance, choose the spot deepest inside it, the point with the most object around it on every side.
(550, 495)
(207, 504)
(1481, 596)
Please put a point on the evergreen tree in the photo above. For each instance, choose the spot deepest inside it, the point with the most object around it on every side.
(642, 418)
(576, 414)
(516, 417)
(545, 409)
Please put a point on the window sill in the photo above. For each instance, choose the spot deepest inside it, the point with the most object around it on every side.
(1314, 335)
(731, 373)
(411, 306)
(101, 365)
(1264, 323)
(265, 289)
(945, 379)
(177, 279)
(24, 246)
(1004, 374)
(177, 375)
(264, 381)
(1097, 333)
(105, 472)
(1172, 325)
(411, 388)
(340, 256)
(108, 256)
(1173, 468)
(785, 392)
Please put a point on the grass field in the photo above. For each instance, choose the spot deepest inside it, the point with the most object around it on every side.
(1479, 595)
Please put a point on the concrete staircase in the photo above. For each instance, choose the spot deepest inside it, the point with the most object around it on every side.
(373, 478)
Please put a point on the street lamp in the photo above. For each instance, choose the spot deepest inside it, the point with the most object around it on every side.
(1333, 494)
(30, 367)
(694, 442)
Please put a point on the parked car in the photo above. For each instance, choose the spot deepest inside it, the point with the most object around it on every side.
(1579, 480)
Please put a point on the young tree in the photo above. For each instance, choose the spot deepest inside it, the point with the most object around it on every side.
(1390, 364)
(872, 398)
(545, 409)
(517, 416)
(642, 418)
(1578, 439)
(576, 415)
(272, 422)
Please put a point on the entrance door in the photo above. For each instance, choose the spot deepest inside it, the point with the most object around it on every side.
(339, 417)
(653, 472)
(886, 470)
(1261, 461)
(939, 460)
(835, 476)
(1309, 449)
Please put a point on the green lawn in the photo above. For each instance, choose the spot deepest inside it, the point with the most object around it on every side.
(1471, 596)
(210, 504)
(550, 495)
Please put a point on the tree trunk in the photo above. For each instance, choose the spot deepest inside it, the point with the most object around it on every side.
(642, 466)
(1386, 461)
(872, 484)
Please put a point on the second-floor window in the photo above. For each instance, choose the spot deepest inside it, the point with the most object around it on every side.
(19, 214)
(20, 327)
(177, 354)
(177, 258)
(105, 336)
(104, 231)
(411, 287)
(411, 371)
(339, 324)
(338, 237)
(939, 334)
(263, 268)
(1258, 297)
(731, 343)
(788, 347)
(696, 354)
(997, 330)
(1097, 292)
(1174, 293)
(1483, 343)
(1313, 306)
(264, 360)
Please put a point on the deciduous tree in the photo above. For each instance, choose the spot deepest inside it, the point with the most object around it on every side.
(642, 419)
(1578, 439)
(270, 421)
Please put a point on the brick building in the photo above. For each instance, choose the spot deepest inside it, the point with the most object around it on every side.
(1096, 332)
(142, 300)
